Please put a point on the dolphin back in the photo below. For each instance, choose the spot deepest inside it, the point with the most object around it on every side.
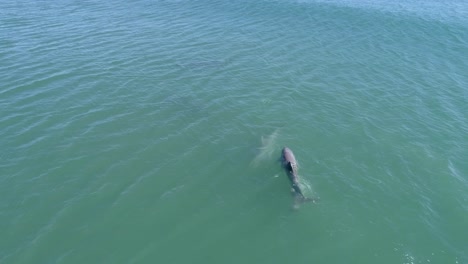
(288, 156)
(290, 165)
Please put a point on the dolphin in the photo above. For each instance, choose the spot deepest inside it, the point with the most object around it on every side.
(289, 163)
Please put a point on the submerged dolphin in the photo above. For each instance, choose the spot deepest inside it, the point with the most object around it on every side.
(290, 165)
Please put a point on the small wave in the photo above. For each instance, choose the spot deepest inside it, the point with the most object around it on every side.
(171, 192)
(437, 10)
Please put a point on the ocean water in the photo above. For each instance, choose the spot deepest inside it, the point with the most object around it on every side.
(150, 131)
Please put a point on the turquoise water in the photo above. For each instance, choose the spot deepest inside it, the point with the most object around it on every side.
(150, 131)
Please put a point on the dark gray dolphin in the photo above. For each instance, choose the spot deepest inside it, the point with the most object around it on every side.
(290, 165)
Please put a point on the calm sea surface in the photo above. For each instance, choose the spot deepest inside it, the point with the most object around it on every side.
(150, 131)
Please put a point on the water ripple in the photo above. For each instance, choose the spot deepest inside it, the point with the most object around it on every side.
(132, 115)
